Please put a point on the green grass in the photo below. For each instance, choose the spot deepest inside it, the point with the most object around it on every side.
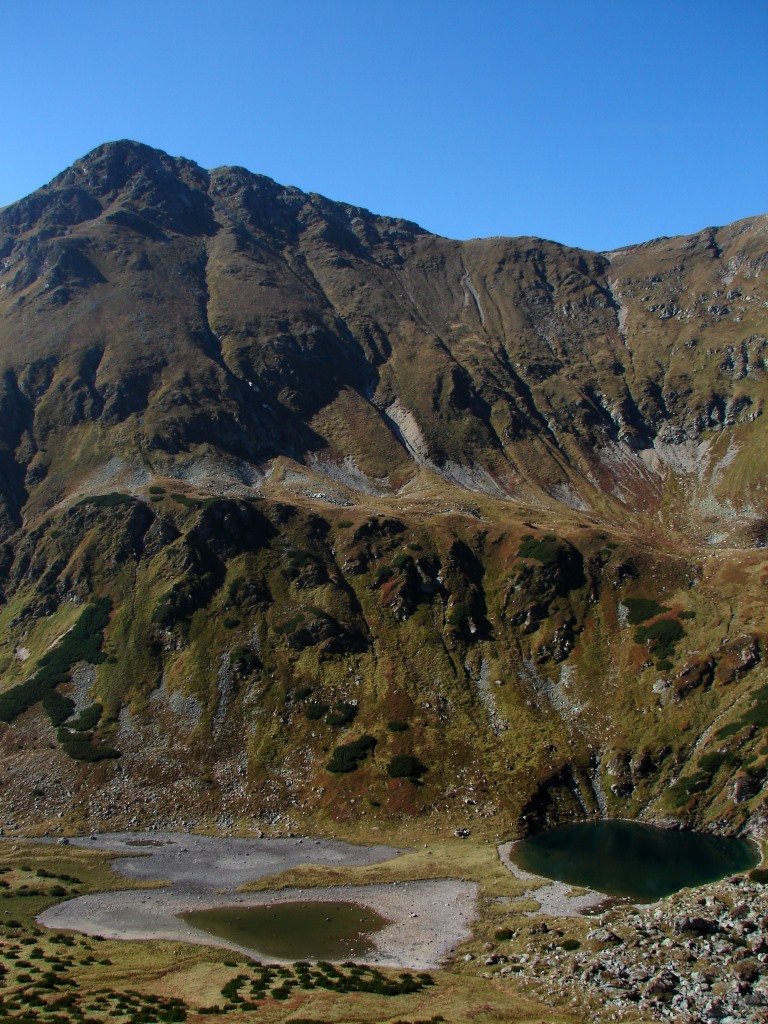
(757, 715)
(82, 643)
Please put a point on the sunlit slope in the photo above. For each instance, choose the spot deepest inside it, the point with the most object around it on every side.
(330, 489)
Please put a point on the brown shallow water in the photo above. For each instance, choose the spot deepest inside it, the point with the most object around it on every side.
(294, 931)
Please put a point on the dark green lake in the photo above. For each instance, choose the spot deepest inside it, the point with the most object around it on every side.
(624, 858)
(294, 931)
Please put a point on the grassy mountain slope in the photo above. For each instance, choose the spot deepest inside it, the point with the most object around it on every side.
(498, 505)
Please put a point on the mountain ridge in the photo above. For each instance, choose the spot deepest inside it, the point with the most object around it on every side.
(301, 447)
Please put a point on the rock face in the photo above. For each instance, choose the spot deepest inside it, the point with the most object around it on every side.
(361, 461)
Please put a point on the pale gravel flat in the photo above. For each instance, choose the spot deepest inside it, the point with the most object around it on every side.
(555, 899)
(428, 919)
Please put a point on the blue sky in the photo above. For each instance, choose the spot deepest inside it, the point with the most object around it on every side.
(594, 123)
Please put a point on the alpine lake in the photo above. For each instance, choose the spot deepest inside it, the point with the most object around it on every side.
(641, 863)
(294, 931)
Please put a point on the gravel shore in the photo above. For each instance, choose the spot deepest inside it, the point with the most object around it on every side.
(428, 919)
(555, 899)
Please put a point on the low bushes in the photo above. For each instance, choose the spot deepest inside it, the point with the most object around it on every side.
(348, 756)
(459, 615)
(544, 549)
(290, 625)
(397, 725)
(282, 982)
(662, 636)
(641, 609)
(88, 719)
(111, 500)
(245, 660)
(405, 766)
(342, 714)
(57, 707)
(315, 710)
(80, 747)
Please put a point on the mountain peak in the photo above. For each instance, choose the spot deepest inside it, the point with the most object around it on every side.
(473, 487)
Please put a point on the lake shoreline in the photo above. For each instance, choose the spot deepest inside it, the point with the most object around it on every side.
(555, 899)
(427, 919)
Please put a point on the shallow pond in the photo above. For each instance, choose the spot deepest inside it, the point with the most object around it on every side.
(624, 858)
(294, 931)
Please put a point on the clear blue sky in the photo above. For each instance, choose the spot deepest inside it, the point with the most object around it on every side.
(594, 123)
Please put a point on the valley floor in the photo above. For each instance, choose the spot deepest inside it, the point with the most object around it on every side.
(695, 956)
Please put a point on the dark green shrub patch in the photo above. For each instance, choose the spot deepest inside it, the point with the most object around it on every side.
(21, 697)
(80, 746)
(712, 762)
(642, 608)
(279, 983)
(111, 500)
(688, 785)
(459, 615)
(729, 730)
(543, 549)
(303, 692)
(755, 715)
(315, 710)
(405, 766)
(382, 574)
(185, 500)
(397, 725)
(155, 489)
(298, 559)
(187, 595)
(347, 757)
(57, 707)
(342, 714)
(662, 637)
(87, 719)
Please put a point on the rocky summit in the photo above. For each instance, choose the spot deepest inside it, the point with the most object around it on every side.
(310, 518)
